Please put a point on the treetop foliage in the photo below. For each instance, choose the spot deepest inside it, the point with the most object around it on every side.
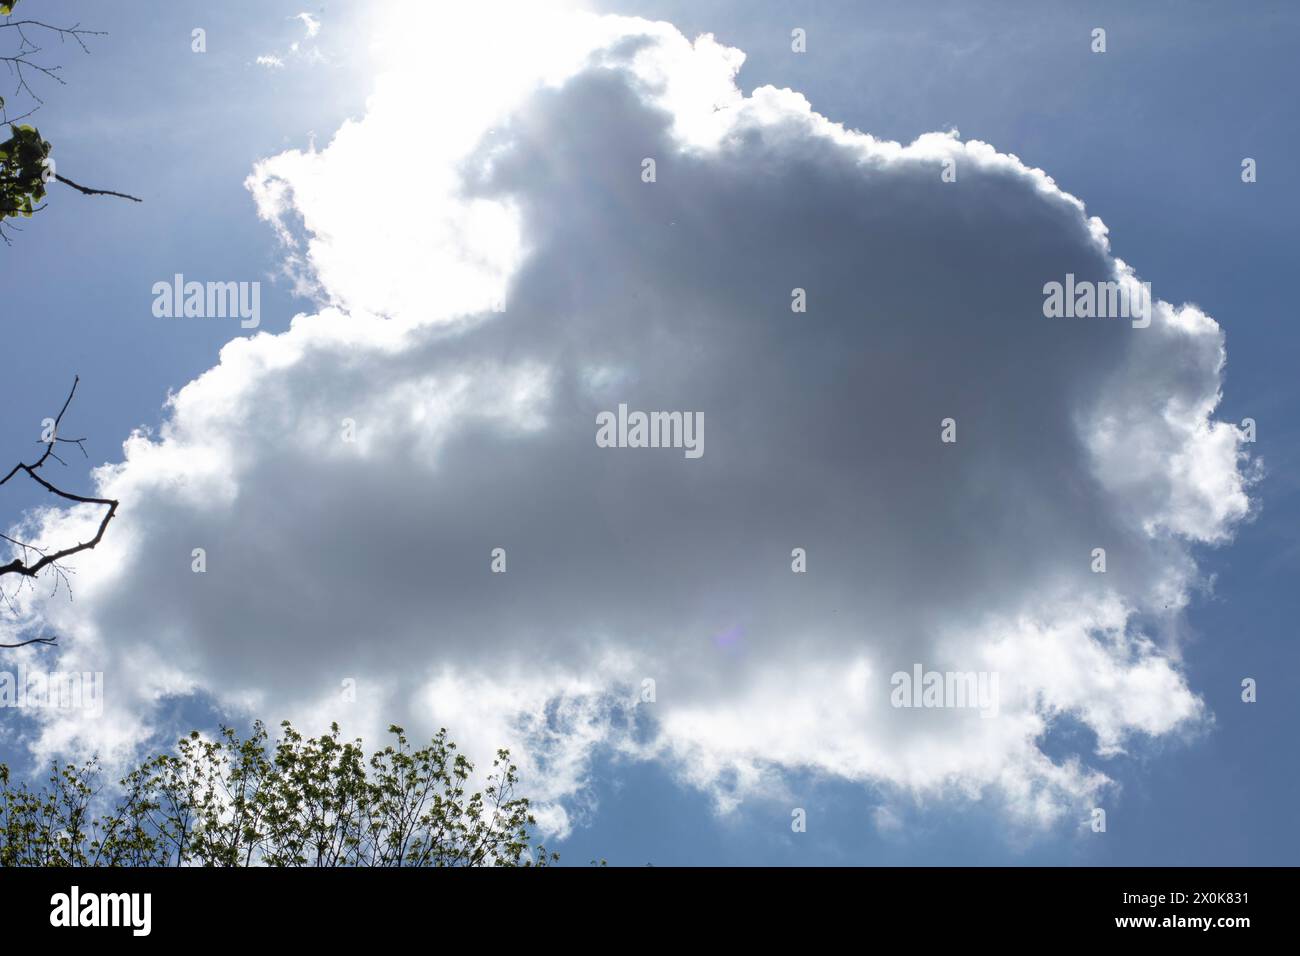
(299, 802)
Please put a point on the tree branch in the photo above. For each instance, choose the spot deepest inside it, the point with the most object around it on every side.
(94, 192)
(35, 640)
(20, 565)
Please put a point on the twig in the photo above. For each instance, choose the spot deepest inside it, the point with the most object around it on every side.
(94, 192)
(35, 640)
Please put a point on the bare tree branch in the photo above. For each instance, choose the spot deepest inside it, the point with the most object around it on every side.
(51, 641)
(22, 565)
(94, 192)
(22, 58)
(74, 32)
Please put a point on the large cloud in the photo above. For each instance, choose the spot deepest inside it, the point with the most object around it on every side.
(516, 173)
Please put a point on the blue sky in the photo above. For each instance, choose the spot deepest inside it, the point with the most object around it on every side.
(1149, 135)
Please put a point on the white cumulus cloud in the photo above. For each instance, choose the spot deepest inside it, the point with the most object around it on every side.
(510, 172)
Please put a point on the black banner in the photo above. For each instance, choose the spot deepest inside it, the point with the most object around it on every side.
(335, 905)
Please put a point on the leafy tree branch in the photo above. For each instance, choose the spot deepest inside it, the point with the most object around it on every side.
(26, 167)
(302, 802)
